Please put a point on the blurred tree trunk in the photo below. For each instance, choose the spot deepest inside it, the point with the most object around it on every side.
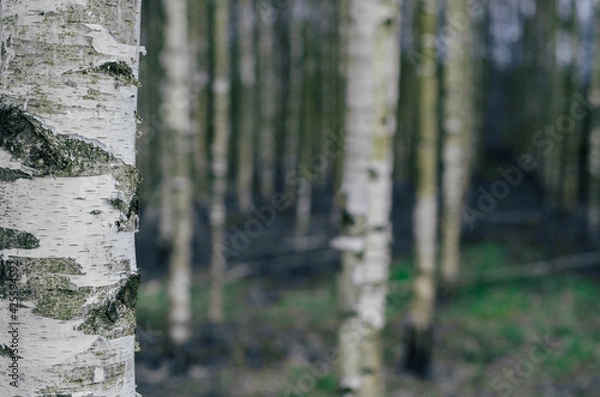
(560, 183)
(308, 121)
(176, 109)
(245, 15)
(281, 57)
(69, 193)
(594, 142)
(364, 241)
(266, 81)
(570, 172)
(407, 106)
(295, 99)
(149, 148)
(199, 98)
(419, 339)
(218, 212)
(459, 127)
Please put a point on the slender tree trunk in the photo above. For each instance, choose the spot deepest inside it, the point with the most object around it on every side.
(418, 341)
(370, 123)
(267, 81)
(148, 146)
(295, 100)
(246, 130)
(221, 87)
(68, 88)
(177, 122)
(594, 143)
(199, 47)
(342, 12)
(569, 180)
(459, 124)
(308, 134)
(559, 186)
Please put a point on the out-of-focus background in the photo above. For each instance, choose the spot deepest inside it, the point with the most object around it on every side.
(242, 151)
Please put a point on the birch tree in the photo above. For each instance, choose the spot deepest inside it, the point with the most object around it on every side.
(418, 340)
(371, 98)
(176, 109)
(68, 184)
(594, 142)
(458, 124)
(221, 86)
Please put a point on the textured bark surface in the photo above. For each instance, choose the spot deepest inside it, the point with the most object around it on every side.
(371, 98)
(176, 114)
(458, 125)
(425, 214)
(221, 87)
(68, 196)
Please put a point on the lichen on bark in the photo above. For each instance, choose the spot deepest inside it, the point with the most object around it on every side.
(108, 311)
(119, 70)
(11, 238)
(11, 175)
(49, 154)
(115, 315)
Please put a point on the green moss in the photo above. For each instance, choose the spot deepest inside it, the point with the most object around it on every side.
(10, 175)
(10, 238)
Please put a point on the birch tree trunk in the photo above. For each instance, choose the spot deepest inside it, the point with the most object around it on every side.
(68, 87)
(248, 80)
(221, 87)
(594, 144)
(459, 124)
(177, 124)
(371, 99)
(418, 341)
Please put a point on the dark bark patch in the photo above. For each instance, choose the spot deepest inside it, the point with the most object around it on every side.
(120, 71)
(49, 154)
(10, 175)
(11, 238)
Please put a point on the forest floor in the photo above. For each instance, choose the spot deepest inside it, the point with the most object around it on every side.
(539, 337)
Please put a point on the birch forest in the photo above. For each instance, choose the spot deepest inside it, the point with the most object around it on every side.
(291, 198)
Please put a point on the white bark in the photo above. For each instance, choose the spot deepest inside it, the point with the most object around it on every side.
(67, 187)
(176, 61)
(371, 100)
(459, 124)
